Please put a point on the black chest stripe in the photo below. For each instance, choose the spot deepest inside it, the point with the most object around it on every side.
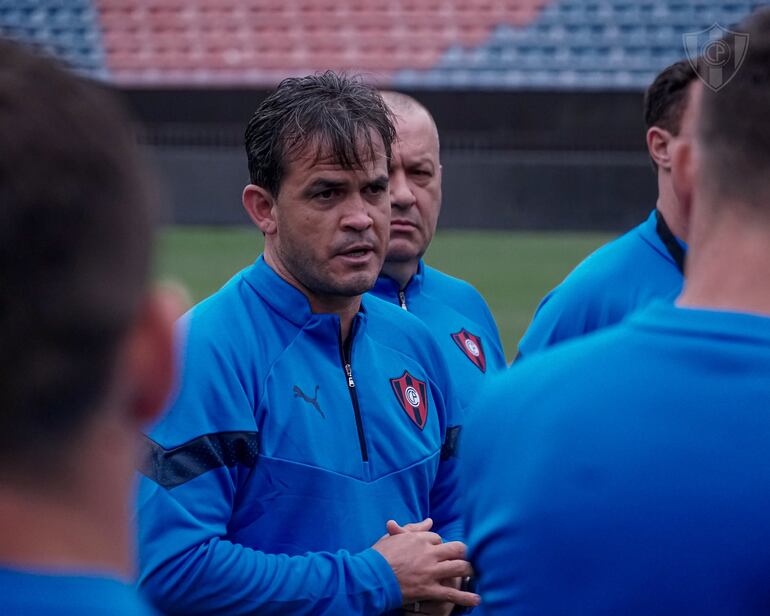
(451, 443)
(170, 468)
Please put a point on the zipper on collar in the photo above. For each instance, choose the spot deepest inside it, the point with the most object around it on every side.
(345, 356)
(402, 300)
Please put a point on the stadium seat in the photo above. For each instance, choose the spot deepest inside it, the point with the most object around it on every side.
(590, 44)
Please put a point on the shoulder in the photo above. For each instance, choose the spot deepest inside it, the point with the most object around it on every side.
(610, 264)
(386, 321)
(227, 307)
(559, 383)
(232, 331)
(392, 327)
(456, 292)
(600, 291)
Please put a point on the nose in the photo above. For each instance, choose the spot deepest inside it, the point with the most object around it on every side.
(357, 215)
(401, 195)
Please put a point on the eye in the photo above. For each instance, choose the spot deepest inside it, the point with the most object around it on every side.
(327, 195)
(423, 173)
(376, 189)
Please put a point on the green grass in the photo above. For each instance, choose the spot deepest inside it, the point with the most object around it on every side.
(512, 270)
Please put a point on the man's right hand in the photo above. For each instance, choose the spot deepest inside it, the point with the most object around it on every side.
(421, 561)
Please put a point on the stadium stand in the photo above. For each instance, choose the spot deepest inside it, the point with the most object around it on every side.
(65, 28)
(538, 101)
(564, 44)
(413, 44)
(579, 44)
(174, 42)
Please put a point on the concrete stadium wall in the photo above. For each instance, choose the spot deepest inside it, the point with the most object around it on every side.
(528, 160)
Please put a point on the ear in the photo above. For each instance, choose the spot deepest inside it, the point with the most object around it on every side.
(260, 206)
(658, 142)
(682, 176)
(149, 361)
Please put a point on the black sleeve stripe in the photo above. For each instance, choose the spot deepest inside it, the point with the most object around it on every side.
(451, 443)
(170, 468)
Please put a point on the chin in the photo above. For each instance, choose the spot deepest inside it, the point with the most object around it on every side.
(401, 252)
(357, 285)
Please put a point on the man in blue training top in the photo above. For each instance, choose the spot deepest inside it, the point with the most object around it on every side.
(631, 466)
(307, 416)
(644, 264)
(453, 310)
(85, 347)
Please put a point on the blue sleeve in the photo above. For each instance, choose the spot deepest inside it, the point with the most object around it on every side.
(491, 505)
(445, 494)
(497, 352)
(569, 311)
(187, 564)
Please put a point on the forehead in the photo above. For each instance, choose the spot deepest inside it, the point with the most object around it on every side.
(320, 158)
(416, 134)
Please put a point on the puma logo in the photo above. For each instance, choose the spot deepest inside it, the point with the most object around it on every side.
(298, 393)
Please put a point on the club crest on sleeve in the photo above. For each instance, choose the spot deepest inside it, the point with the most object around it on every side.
(470, 344)
(412, 394)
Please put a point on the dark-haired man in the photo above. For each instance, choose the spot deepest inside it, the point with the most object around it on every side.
(636, 478)
(85, 347)
(644, 264)
(307, 416)
(455, 312)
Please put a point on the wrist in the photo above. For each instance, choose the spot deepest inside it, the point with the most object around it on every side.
(386, 576)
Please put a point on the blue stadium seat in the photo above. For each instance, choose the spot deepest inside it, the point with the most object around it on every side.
(65, 28)
(585, 44)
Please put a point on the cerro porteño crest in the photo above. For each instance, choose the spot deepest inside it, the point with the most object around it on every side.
(472, 347)
(412, 394)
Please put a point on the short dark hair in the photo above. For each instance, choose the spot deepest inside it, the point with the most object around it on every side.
(329, 113)
(74, 255)
(734, 122)
(666, 98)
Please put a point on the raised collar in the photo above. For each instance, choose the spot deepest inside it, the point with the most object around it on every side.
(649, 232)
(388, 288)
(290, 302)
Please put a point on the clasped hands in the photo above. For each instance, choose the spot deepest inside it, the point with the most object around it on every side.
(428, 570)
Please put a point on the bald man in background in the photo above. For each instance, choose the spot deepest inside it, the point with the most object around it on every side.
(455, 312)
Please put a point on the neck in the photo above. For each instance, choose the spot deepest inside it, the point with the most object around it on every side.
(668, 205)
(401, 271)
(78, 516)
(345, 307)
(46, 532)
(729, 267)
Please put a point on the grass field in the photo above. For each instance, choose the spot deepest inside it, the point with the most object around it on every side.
(513, 270)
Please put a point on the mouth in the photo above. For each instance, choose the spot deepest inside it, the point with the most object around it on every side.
(400, 224)
(356, 252)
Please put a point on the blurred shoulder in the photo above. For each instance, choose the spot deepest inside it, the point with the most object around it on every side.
(454, 291)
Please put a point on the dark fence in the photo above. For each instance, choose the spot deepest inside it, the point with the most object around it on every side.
(512, 160)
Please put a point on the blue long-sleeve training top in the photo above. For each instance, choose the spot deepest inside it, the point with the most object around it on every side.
(284, 453)
(621, 277)
(460, 320)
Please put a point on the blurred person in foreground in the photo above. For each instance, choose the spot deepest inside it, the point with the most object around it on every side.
(455, 312)
(632, 465)
(646, 263)
(85, 346)
(309, 415)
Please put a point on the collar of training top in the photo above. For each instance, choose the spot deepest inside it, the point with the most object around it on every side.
(287, 300)
(388, 287)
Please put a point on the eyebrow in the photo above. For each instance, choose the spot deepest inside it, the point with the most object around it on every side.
(322, 184)
(422, 160)
(380, 180)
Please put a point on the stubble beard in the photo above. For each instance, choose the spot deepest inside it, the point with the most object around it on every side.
(316, 278)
